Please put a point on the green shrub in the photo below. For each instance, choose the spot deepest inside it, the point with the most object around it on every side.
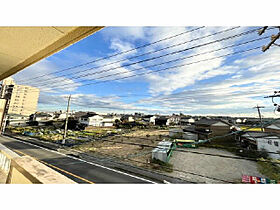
(160, 165)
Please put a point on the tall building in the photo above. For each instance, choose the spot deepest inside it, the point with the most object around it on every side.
(21, 99)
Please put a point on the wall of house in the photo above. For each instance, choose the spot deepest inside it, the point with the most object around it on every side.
(153, 120)
(272, 129)
(95, 121)
(107, 124)
(270, 145)
(219, 129)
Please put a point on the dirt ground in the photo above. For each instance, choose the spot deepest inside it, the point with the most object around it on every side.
(215, 167)
(138, 155)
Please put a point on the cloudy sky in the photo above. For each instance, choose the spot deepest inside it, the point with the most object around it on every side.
(217, 71)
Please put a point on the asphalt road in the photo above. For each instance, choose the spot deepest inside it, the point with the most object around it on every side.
(78, 170)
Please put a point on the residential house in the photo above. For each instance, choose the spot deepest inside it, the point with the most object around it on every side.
(262, 141)
(174, 119)
(107, 121)
(127, 118)
(273, 128)
(188, 133)
(150, 119)
(91, 119)
(216, 126)
(186, 120)
(162, 121)
(95, 120)
(191, 133)
(17, 120)
(41, 117)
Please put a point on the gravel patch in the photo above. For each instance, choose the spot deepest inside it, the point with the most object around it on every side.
(226, 169)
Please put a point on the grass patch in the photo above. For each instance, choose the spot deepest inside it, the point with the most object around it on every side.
(162, 166)
(271, 170)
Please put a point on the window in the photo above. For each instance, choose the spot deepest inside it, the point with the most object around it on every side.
(276, 143)
(269, 142)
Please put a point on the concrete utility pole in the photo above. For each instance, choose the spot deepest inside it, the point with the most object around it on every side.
(276, 95)
(5, 110)
(66, 120)
(273, 38)
(260, 116)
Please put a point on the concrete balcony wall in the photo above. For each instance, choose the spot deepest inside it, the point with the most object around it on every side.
(27, 170)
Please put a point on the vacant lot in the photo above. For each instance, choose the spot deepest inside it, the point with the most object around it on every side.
(116, 146)
(226, 169)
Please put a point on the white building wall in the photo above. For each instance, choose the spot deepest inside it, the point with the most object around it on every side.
(95, 121)
(153, 120)
(191, 120)
(130, 119)
(270, 144)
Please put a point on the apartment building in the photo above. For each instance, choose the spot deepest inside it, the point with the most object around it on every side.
(22, 99)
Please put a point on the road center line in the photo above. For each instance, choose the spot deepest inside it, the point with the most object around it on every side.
(52, 166)
(91, 163)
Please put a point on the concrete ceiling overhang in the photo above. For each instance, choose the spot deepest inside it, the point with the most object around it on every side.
(22, 46)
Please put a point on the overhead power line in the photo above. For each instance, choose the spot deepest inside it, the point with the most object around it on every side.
(168, 68)
(151, 52)
(120, 53)
(155, 57)
(170, 61)
(151, 71)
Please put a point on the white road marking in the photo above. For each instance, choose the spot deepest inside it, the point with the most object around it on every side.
(91, 163)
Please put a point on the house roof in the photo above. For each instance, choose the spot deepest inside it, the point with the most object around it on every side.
(209, 122)
(42, 115)
(192, 129)
(148, 116)
(254, 134)
(162, 118)
(89, 114)
(273, 125)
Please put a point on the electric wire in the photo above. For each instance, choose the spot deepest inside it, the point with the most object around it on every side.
(150, 52)
(123, 52)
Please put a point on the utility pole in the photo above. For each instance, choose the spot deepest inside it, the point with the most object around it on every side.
(260, 116)
(5, 95)
(276, 95)
(273, 38)
(66, 120)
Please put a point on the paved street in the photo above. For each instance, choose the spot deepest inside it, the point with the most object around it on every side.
(226, 169)
(76, 169)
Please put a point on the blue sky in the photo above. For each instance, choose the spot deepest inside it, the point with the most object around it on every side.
(230, 85)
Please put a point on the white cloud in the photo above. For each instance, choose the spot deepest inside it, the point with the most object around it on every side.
(125, 33)
(46, 83)
(246, 78)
